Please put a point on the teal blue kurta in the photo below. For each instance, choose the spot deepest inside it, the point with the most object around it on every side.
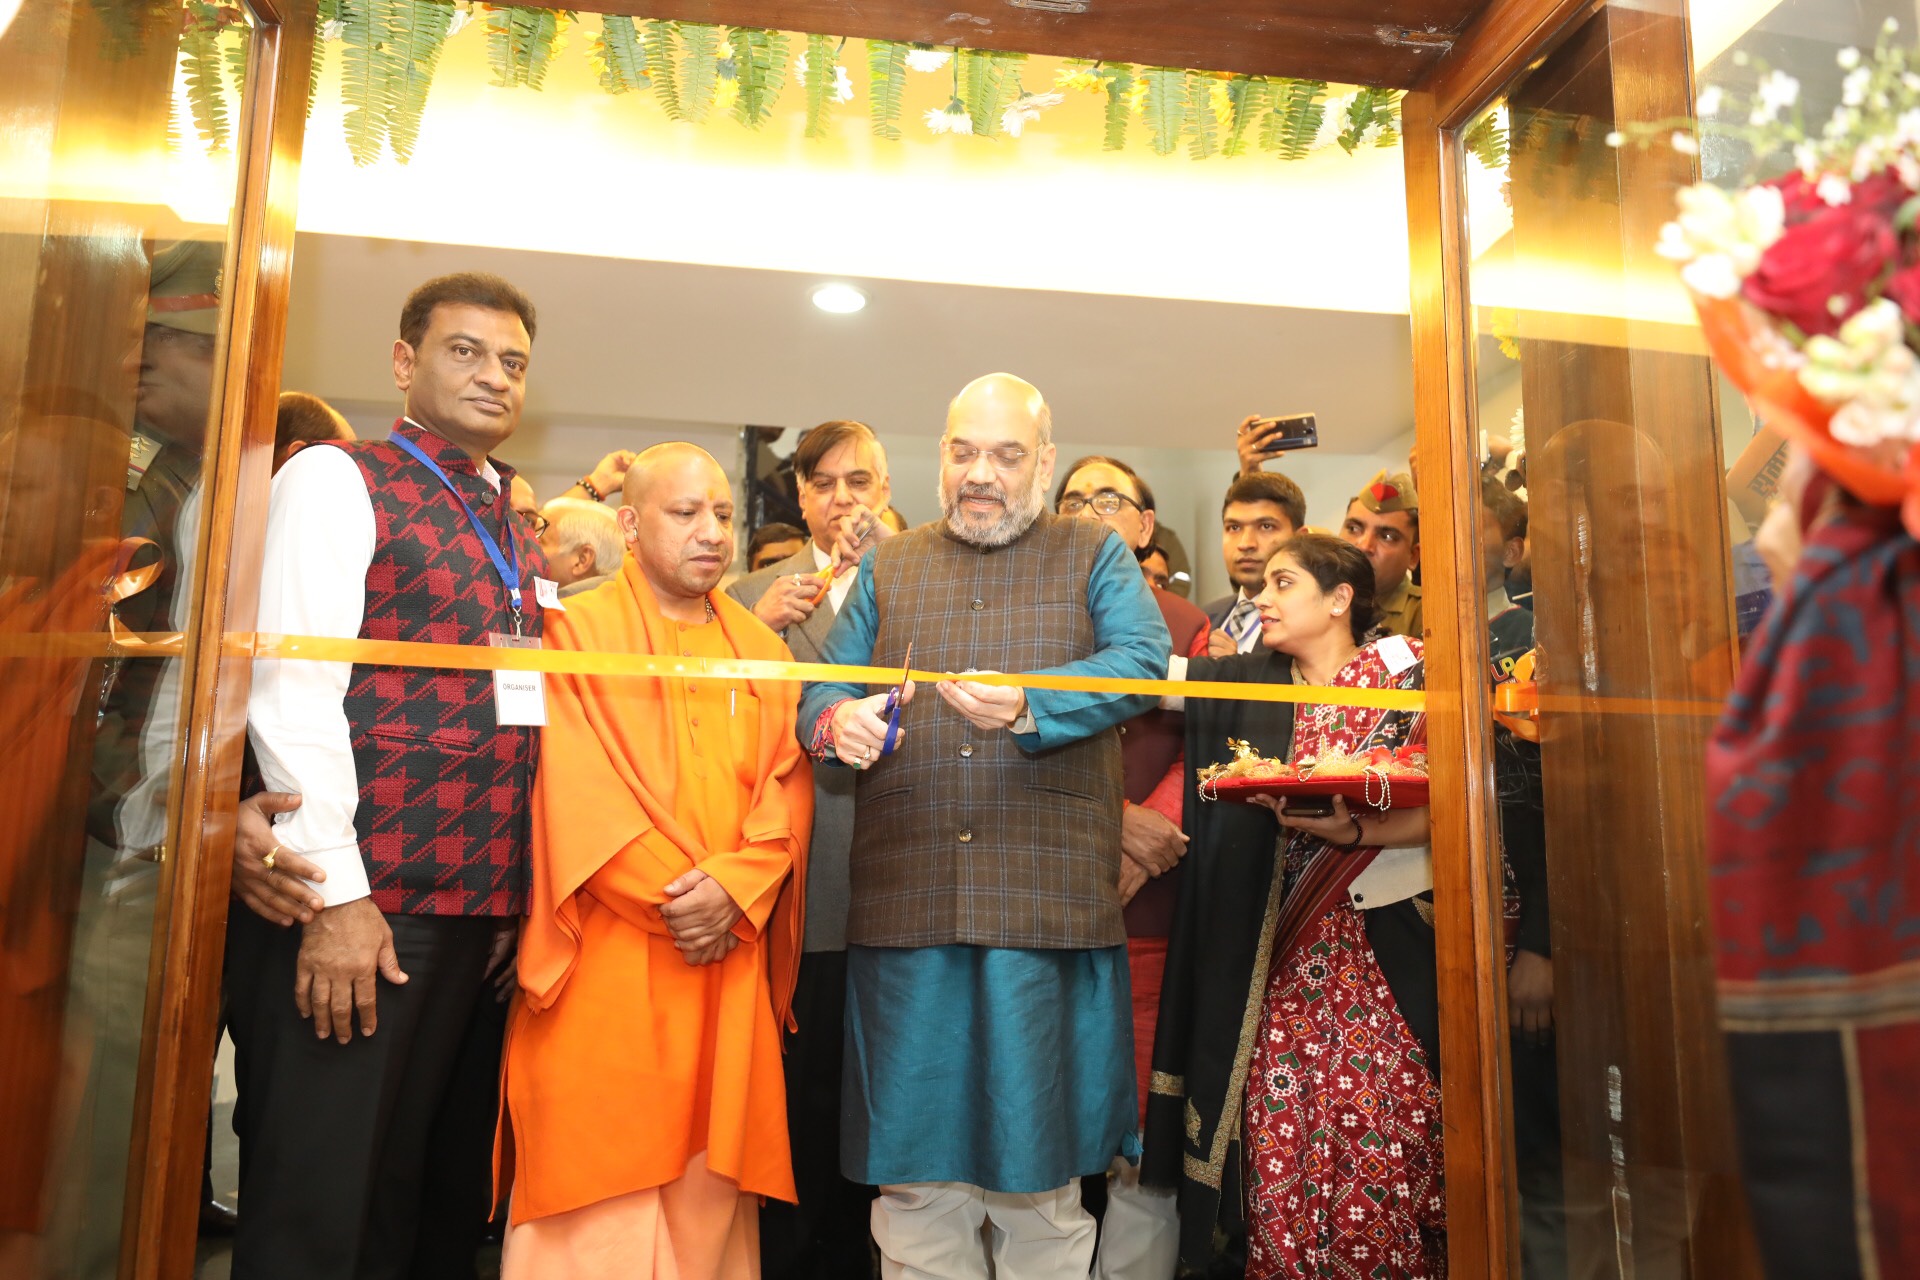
(1020, 1081)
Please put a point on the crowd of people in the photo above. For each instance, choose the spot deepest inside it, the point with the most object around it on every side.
(736, 976)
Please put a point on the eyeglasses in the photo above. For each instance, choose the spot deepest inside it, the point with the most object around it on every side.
(1106, 503)
(1007, 457)
(535, 521)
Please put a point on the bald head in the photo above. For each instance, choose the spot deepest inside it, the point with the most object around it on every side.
(662, 460)
(678, 518)
(1002, 400)
(996, 461)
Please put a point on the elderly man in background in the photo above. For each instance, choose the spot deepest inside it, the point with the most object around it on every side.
(842, 475)
(583, 544)
(1140, 1235)
(988, 1025)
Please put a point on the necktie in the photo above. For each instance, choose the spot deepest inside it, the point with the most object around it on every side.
(1243, 622)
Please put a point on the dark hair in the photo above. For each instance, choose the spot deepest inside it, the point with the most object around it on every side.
(1505, 506)
(462, 289)
(303, 419)
(1148, 552)
(822, 440)
(1100, 459)
(1332, 561)
(768, 534)
(1269, 486)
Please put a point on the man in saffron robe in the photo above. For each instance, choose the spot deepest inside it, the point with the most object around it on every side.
(643, 1084)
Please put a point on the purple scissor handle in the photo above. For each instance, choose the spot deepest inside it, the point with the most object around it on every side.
(893, 704)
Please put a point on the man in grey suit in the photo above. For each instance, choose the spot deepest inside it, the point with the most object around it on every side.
(842, 475)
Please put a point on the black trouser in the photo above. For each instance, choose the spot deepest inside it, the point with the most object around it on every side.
(333, 1137)
(457, 1202)
(828, 1234)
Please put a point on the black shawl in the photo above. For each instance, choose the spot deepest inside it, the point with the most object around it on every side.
(1217, 956)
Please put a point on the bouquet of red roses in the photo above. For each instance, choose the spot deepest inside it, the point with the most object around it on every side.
(1808, 284)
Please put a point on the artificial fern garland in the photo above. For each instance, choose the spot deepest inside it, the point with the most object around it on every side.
(391, 48)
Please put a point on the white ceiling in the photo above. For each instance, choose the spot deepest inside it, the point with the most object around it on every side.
(622, 339)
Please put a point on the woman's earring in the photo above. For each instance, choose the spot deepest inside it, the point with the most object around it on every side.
(1338, 612)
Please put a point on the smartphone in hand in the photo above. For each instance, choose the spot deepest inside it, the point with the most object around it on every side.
(1275, 436)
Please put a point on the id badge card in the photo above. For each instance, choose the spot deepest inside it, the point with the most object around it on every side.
(519, 697)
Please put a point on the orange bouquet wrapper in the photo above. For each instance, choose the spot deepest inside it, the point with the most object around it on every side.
(1764, 366)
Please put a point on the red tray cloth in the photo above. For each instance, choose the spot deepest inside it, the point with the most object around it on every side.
(1401, 792)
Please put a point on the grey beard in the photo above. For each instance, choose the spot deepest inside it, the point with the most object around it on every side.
(1015, 517)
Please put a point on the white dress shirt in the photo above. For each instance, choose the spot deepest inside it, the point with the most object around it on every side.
(837, 593)
(313, 581)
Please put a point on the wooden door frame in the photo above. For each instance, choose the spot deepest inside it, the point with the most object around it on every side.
(1476, 1074)
(159, 1228)
(184, 986)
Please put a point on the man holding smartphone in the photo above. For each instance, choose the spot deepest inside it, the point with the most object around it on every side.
(1262, 510)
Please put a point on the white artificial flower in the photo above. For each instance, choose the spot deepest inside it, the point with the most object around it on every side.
(1805, 158)
(1709, 102)
(1333, 122)
(462, 15)
(1848, 58)
(1026, 109)
(842, 83)
(333, 30)
(1890, 26)
(953, 119)
(1869, 374)
(1853, 89)
(928, 59)
(1865, 425)
(1776, 92)
(1719, 238)
(1834, 190)
(1683, 143)
(1711, 275)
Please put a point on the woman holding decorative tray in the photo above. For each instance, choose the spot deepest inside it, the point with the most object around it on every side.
(1340, 1035)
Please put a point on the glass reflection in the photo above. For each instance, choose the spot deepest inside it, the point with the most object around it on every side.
(105, 403)
(1646, 479)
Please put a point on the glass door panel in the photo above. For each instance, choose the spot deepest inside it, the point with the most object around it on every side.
(117, 182)
(1605, 517)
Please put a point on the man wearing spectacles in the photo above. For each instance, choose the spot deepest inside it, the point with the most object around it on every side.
(989, 1034)
(1140, 1234)
(841, 470)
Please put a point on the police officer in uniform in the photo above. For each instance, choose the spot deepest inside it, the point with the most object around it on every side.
(1383, 520)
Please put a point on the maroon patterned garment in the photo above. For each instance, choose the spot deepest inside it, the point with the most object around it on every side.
(444, 790)
(1813, 776)
(1343, 1110)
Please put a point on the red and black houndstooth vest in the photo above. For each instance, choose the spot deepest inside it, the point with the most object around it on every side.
(443, 820)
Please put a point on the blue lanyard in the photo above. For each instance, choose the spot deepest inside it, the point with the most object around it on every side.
(509, 569)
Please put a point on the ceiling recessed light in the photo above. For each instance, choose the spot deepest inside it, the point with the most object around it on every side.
(839, 299)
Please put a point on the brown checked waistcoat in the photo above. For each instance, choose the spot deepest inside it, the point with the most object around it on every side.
(960, 836)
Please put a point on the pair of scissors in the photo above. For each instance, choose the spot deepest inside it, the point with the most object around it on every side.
(892, 711)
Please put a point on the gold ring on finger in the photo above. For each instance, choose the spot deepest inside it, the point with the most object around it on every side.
(267, 861)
